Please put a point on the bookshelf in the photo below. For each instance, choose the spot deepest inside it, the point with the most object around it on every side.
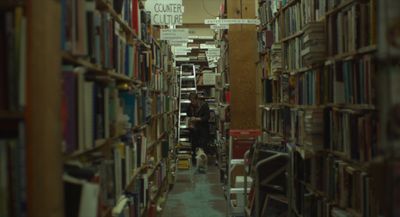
(96, 116)
(383, 169)
(317, 60)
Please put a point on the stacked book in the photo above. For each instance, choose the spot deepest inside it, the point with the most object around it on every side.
(313, 43)
(313, 129)
(276, 58)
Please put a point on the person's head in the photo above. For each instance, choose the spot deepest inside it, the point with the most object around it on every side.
(194, 99)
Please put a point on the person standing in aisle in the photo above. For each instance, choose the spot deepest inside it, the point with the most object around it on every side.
(199, 113)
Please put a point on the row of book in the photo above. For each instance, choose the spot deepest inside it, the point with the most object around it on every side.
(294, 20)
(307, 10)
(276, 90)
(96, 36)
(349, 82)
(12, 59)
(347, 189)
(307, 128)
(313, 10)
(292, 54)
(159, 81)
(13, 198)
(314, 46)
(352, 28)
(91, 189)
(275, 121)
(353, 81)
(93, 111)
(295, 16)
(352, 135)
(265, 13)
(265, 39)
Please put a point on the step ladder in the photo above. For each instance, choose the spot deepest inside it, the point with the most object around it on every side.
(187, 85)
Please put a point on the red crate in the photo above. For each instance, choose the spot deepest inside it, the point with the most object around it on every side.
(242, 140)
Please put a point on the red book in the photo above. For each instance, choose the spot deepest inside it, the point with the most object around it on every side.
(135, 16)
(152, 210)
(228, 96)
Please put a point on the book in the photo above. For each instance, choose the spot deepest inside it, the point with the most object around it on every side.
(70, 109)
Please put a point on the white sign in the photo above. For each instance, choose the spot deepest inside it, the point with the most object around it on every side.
(207, 46)
(174, 34)
(212, 65)
(219, 26)
(232, 21)
(181, 53)
(181, 49)
(214, 52)
(209, 78)
(178, 43)
(206, 37)
(182, 59)
(165, 12)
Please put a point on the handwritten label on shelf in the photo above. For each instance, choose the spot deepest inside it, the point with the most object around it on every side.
(213, 52)
(232, 21)
(174, 34)
(219, 26)
(207, 46)
(180, 43)
(182, 59)
(165, 12)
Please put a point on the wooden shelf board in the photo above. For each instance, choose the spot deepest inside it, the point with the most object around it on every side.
(103, 5)
(339, 7)
(304, 69)
(136, 172)
(289, 4)
(81, 62)
(158, 115)
(274, 17)
(363, 166)
(101, 143)
(140, 127)
(338, 106)
(153, 168)
(97, 68)
(323, 194)
(158, 140)
(295, 35)
(122, 77)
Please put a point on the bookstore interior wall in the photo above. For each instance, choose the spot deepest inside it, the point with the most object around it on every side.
(98, 116)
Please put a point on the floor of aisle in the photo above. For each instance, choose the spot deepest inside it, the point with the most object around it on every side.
(202, 197)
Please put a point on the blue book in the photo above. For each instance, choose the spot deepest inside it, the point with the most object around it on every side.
(128, 100)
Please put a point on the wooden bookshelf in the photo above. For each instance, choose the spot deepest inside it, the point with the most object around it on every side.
(351, 55)
(81, 62)
(99, 144)
(103, 5)
(112, 74)
(303, 86)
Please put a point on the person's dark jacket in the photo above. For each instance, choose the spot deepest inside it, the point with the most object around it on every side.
(200, 132)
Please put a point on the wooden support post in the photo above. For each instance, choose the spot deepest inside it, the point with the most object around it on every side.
(44, 156)
(242, 56)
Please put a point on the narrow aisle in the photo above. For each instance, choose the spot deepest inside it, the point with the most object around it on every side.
(202, 198)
